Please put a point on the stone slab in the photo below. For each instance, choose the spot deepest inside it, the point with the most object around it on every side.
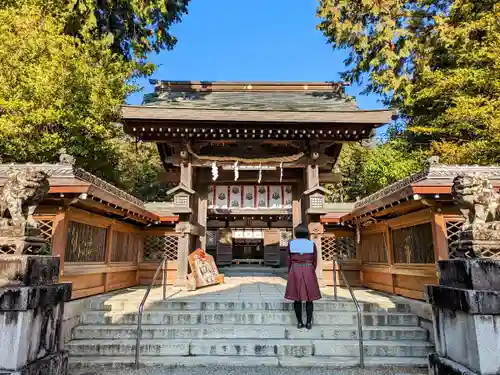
(470, 301)
(442, 366)
(476, 274)
(28, 270)
(22, 298)
(471, 340)
(54, 364)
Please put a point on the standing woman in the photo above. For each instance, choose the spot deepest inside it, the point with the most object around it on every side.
(302, 282)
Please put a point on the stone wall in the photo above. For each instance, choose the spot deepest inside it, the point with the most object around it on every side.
(31, 316)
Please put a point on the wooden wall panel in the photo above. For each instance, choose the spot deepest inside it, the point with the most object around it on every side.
(148, 269)
(120, 280)
(351, 269)
(85, 285)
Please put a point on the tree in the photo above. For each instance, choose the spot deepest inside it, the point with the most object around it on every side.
(364, 170)
(137, 27)
(57, 91)
(437, 61)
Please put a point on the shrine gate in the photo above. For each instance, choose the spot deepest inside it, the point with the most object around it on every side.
(248, 160)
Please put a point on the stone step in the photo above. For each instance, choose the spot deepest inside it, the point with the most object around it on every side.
(246, 347)
(278, 305)
(220, 331)
(398, 364)
(246, 318)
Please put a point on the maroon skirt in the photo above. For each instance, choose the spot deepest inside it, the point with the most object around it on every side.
(302, 282)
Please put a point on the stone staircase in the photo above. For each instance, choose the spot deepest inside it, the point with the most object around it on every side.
(191, 333)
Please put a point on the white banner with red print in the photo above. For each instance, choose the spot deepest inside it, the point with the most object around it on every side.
(237, 197)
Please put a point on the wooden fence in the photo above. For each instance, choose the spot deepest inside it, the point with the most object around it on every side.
(99, 254)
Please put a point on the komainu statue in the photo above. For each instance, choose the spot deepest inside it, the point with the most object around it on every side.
(479, 203)
(20, 196)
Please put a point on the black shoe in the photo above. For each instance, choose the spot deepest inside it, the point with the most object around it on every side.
(308, 325)
(300, 325)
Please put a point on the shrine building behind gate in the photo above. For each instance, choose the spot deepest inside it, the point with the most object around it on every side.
(248, 160)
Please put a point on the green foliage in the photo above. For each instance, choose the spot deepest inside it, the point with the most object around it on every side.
(58, 91)
(365, 170)
(437, 61)
(136, 27)
(141, 171)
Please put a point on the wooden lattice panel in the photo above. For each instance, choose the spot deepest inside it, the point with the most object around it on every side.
(86, 243)
(452, 229)
(155, 247)
(45, 226)
(7, 250)
(285, 237)
(413, 244)
(341, 248)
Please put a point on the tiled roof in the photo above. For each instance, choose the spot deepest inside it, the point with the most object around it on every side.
(306, 101)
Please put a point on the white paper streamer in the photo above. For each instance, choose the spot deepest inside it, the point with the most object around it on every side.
(215, 171)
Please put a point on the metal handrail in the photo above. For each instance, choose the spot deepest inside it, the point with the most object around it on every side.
(143, 302)
(358, 308)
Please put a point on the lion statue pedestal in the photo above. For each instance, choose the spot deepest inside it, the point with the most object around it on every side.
(20, 196)
(31, 297)
(479, 236)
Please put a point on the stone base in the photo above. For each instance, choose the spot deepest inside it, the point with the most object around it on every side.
(443, 366)
(53, 364)
(22, 298)
(476, 274)
(475, 247)
(28, 270)
(486, 302)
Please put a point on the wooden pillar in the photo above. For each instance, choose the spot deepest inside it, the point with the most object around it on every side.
(183, 227)
(60, 236)
(390, 256)
(202, 196)
(312, 176)
(297, 214)
(109, 251)
(439, 237)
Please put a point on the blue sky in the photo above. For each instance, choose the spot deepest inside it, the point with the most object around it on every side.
(259, 40)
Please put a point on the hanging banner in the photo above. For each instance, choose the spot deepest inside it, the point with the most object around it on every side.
(221, 196)
(275, 197)
(249, 196)
(236, 197)
(262, 198)
(287, 197)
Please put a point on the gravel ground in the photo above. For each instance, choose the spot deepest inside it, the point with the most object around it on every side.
(224, 370)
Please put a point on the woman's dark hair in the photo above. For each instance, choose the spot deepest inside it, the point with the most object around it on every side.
(301, 231)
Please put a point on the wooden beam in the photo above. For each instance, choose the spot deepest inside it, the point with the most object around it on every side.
(439, 236)
(60, 237)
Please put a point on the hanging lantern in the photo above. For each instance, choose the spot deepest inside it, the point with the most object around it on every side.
(236, 171)
(260, 173)
(281, 172)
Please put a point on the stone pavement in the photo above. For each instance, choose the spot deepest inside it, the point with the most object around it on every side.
(222, 370)
(247, 288)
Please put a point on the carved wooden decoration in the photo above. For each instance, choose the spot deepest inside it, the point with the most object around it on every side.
(203, 268)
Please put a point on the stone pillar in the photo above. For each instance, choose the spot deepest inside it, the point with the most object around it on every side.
(316, 232)
(182, 254)
(466, 314)
(31, 316)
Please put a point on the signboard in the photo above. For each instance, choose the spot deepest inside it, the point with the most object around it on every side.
(203, 268)
(234, 197)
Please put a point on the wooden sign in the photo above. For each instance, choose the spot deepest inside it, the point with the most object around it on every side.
(203, 268)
